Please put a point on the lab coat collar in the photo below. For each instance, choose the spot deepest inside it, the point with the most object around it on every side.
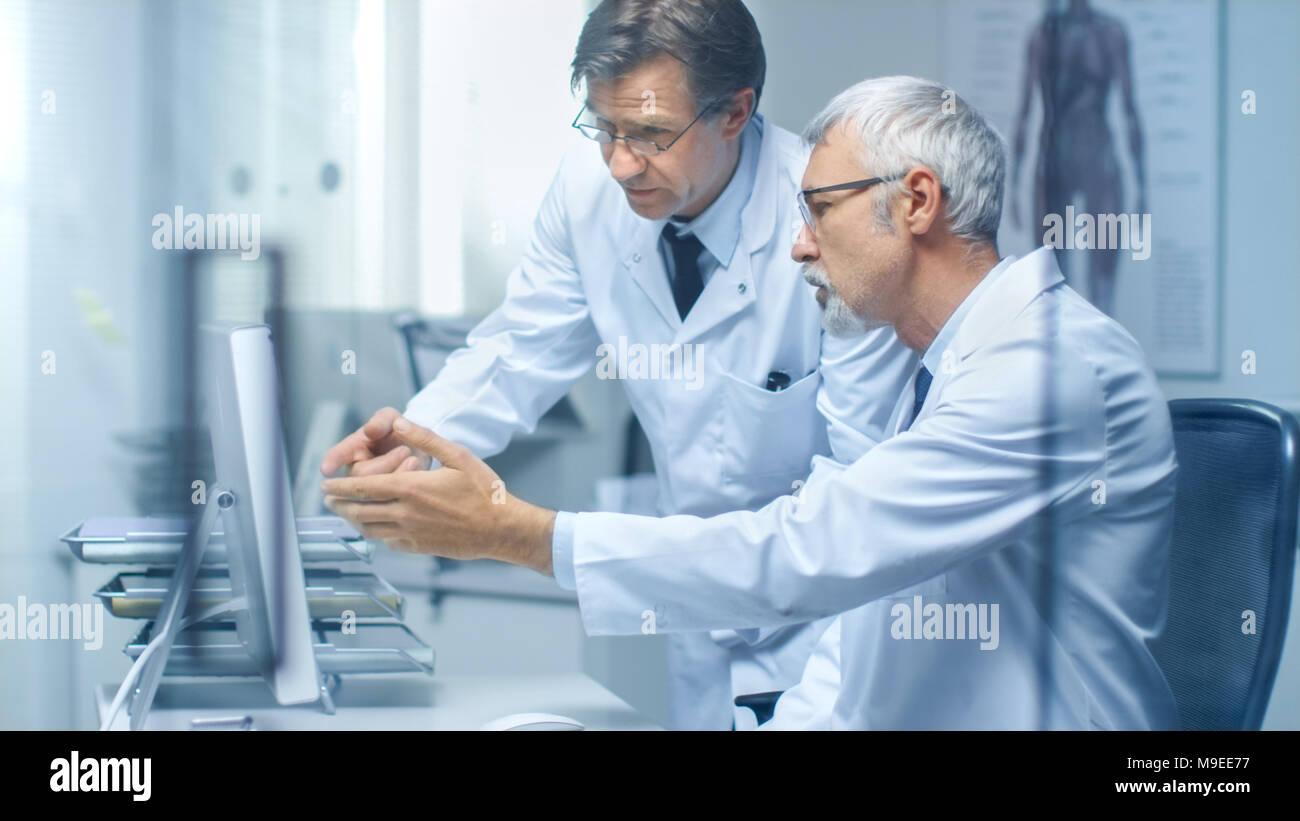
(731, 288)
(940, 349)
(759, 217)
(728, 291)
(718, 226)
(1018, 284)
(646, 266)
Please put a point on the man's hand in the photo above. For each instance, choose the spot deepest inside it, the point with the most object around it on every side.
(373, 449)
(461, 510)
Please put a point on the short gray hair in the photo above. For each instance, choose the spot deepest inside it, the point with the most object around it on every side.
(906, 121)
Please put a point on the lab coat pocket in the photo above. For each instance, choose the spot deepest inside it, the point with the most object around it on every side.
(770, 436)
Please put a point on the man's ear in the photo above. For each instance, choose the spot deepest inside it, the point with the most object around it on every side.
(924, 200)
(738, 112)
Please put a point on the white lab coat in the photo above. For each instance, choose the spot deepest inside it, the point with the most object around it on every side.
(1047, 430)
(592, 273)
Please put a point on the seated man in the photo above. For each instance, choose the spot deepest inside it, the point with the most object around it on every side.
(1000, 561)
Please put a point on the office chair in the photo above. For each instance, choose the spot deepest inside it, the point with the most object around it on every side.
(1233, 550)
(425, 344)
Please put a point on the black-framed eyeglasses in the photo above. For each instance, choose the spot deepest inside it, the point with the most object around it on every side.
(642, 146)
(844, 186)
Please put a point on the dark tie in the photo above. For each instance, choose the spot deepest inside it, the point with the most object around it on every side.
(923, 379)
(687, 283)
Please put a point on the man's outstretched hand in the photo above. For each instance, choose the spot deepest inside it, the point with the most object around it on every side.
(461, 510)
(373, 449)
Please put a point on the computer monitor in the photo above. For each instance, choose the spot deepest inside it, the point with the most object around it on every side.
(242, 403)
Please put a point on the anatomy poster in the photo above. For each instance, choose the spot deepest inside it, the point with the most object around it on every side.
(1111, 112)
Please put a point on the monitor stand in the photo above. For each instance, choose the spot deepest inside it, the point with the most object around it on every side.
(170, 615)
(169, 622)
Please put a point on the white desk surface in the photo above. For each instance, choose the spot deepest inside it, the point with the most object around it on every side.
(397, 702)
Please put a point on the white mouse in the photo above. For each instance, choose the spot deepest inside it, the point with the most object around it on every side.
(533, 721)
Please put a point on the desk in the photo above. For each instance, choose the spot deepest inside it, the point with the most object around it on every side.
(400, 702)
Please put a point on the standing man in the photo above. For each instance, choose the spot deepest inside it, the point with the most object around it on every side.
(674, 230)
(1001, 561)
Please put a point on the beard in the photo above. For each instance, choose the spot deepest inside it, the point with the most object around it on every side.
(838, 318)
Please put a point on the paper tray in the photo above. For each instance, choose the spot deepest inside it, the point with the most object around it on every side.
(215, 650)
(139, 595)
(157, 541)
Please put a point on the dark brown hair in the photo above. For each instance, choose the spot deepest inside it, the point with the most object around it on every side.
(716, 39)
